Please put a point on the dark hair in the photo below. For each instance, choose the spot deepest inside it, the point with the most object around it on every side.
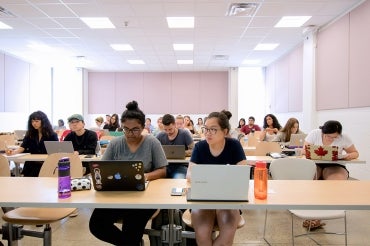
(275, 122)
(116, 122)
(240, 126)
(168, 119)
(133, 112)
(222, 120)
(46, 127)
(251, 118)
(288, 128)
(331, 126)
(61, 121)
(227, 113)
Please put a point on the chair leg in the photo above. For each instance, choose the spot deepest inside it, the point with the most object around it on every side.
(292, 229)
(264, 229)
(47, 235)
(345, 228)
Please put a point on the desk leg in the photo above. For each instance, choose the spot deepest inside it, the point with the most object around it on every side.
(171, 233)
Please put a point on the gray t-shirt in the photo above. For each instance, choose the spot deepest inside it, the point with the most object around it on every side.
(183, 138)
(150, 152)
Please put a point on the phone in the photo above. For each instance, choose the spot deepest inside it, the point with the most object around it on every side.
(177, 191)
(89, 156)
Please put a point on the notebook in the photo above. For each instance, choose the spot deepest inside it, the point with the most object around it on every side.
(58, 147)
(118, 175)
(325, 153)
(297, 140)
(219, 183)
(174, 151)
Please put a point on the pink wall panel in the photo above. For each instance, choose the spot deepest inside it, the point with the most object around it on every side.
(359, 72)
(185, 92)
(280, 105)
(101, 93)
(213, 92)
(332, 66)
(295, 86)
(157, 93)
(129, 86)
(2, 83)
(17, 77)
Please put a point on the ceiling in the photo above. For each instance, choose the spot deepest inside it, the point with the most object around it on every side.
(142, 24)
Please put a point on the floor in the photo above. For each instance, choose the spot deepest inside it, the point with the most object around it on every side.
(74, 231)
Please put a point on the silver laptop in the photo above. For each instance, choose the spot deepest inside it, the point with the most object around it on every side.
(297, 140)
(174, 151)
(118, 175)
(219, 183)
(58, 147)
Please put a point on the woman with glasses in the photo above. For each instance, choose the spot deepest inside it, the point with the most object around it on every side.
(217, 148)
(132, 146)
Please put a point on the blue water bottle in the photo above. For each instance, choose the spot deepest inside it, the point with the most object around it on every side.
(64, 178)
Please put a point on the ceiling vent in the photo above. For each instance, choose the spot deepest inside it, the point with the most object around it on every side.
(242, 9)
(6, 13)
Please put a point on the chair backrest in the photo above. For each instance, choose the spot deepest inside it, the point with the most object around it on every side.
(293, 169)
(263, 147)
(64, 134)
(49, 168)
(4, 167)
(253, 140)
(9, 139)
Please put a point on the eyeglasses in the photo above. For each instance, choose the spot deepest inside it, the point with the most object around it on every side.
(331, 137)
(134, 131)
(212, 131)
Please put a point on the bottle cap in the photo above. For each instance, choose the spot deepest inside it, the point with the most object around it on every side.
(261, 164)
(64, 162)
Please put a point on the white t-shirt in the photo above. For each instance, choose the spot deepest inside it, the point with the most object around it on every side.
(342, 141)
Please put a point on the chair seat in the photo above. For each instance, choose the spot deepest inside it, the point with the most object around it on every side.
(36, 216)
(319, 214)
(186, 218)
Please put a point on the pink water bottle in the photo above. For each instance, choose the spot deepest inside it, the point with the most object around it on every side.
(260, 180)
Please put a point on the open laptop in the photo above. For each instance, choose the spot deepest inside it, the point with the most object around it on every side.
(118, 175)
(174, 151)
(58, 147)
(219, 183)
(319, 152)
(297, 140)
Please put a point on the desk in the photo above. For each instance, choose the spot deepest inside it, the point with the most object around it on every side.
(268, 159)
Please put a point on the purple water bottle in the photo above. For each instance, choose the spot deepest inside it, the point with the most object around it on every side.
(64, 178)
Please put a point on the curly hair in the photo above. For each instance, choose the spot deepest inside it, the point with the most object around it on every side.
(275, 122)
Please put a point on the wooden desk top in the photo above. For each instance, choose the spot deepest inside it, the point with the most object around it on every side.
(283, 194)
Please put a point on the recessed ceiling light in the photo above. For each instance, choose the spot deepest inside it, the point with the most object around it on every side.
(98, 22)
(251, 62)
(40, 47)
(184, 62)
(220, 57)
(242, 9)
(4, 26)
(121, 47)
(136, 62)
(180, 22)
(183, 46)
(292, 21)
(266, 46)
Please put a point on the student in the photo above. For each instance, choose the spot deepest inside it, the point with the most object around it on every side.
(271, 127)
(241, 123)
(39, 130)
(113, 123)
(217, 148)
(251, 127)
(291, 127)
(132, 146)
(174, 136)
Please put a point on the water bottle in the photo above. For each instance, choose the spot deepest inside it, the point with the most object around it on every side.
(245, 140)
(260, 180)
(64, 178)
(98, 149)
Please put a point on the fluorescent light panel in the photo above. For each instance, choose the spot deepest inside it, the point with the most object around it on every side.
(136, 62)
(121, 47)
(98, 22)
(180, 22)
(292, 21)
(266, 46)
(183, 46)
(4, 26)
(185, 62)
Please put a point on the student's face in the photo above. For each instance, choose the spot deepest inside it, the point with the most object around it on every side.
(132, 129)
(294, 129)
(213, 132)
(76, 125)
(330, 137)
(269, 121)
(179, 123)
(170, 130)
(250, 122)
(36, 124)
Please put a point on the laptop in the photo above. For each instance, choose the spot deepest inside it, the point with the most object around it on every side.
(174, 151)
(297, 140)
(319, 152)
(219, 183)
(58, 147)
(118, 175)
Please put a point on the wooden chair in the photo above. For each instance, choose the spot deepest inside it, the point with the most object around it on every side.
(263, 147)
(42, 216)
(6, 140)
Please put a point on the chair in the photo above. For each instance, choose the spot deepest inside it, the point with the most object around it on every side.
(42, 216)
(6, 140)
(186, 218)
(4, 167)
(303, 169)
(263, 147)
